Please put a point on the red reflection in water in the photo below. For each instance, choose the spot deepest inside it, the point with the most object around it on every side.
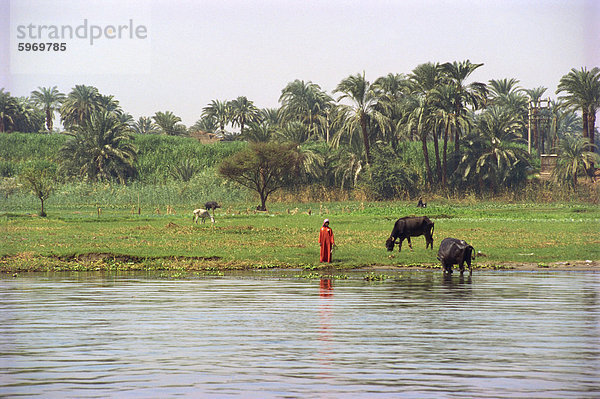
(325, 336)
(326, 287)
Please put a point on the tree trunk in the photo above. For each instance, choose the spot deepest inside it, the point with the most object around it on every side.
(363, 126)
(535, 130)
(426, 155)
(43, 212)
(444, 174)
(49, 120)
(438, 164)
(456, 138)
(586, 117)
(592, 129)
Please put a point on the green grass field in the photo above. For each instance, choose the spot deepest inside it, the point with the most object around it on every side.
(286, 236)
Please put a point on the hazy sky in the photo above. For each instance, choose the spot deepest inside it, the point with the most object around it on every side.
(187, 53)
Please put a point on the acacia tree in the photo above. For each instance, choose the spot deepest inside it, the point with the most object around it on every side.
(263, 167)
(39, 179)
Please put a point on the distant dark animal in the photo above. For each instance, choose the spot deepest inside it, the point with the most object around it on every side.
(202, 214)
(211, 205)
(421, 204)
(455, 252)
(410, 226)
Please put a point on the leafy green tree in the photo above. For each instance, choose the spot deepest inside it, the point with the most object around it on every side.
(575, 157)
(362, 111)
(263, 167)
(243, 112)
(40, 180)
(79, 105)
(169, 123)
(50, 99)
(582, 88)
(100, 149)
(389, 177)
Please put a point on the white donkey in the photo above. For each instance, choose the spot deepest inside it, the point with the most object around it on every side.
(202, 214)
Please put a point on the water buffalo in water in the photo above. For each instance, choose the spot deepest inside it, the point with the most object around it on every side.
(455, 252)
(410, 226)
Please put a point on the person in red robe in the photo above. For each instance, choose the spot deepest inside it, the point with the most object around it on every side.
(326, 241)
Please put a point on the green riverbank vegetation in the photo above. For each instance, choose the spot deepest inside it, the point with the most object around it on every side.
(101, 182)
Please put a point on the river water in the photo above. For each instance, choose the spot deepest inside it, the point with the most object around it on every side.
(417, 335)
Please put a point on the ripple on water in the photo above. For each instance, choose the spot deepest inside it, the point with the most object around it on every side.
(498, 334)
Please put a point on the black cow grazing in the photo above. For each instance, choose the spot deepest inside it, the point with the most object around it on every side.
(211, 205)
(455, 252)
(411, 226)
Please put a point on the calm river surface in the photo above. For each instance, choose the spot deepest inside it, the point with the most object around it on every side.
(498, 334)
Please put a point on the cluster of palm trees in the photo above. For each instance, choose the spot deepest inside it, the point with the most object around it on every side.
(472, 134)
(469, 134)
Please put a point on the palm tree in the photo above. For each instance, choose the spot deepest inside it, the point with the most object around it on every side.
(258, 132)
(50, 99)
(583, 92)
(243, 111)
(361, 113)
(472, 94)
(500, 88)
(169, 123)
(145, 125)
(220, 111)
(79, 105)
(393, 90)
(270, 116)
(100, 149)
(575, 156)
(8, 111)
(28, 118)
(205, 124)
(443, 98)
(492, 156)
(425, 82)
(307, 103)
(293, 132)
